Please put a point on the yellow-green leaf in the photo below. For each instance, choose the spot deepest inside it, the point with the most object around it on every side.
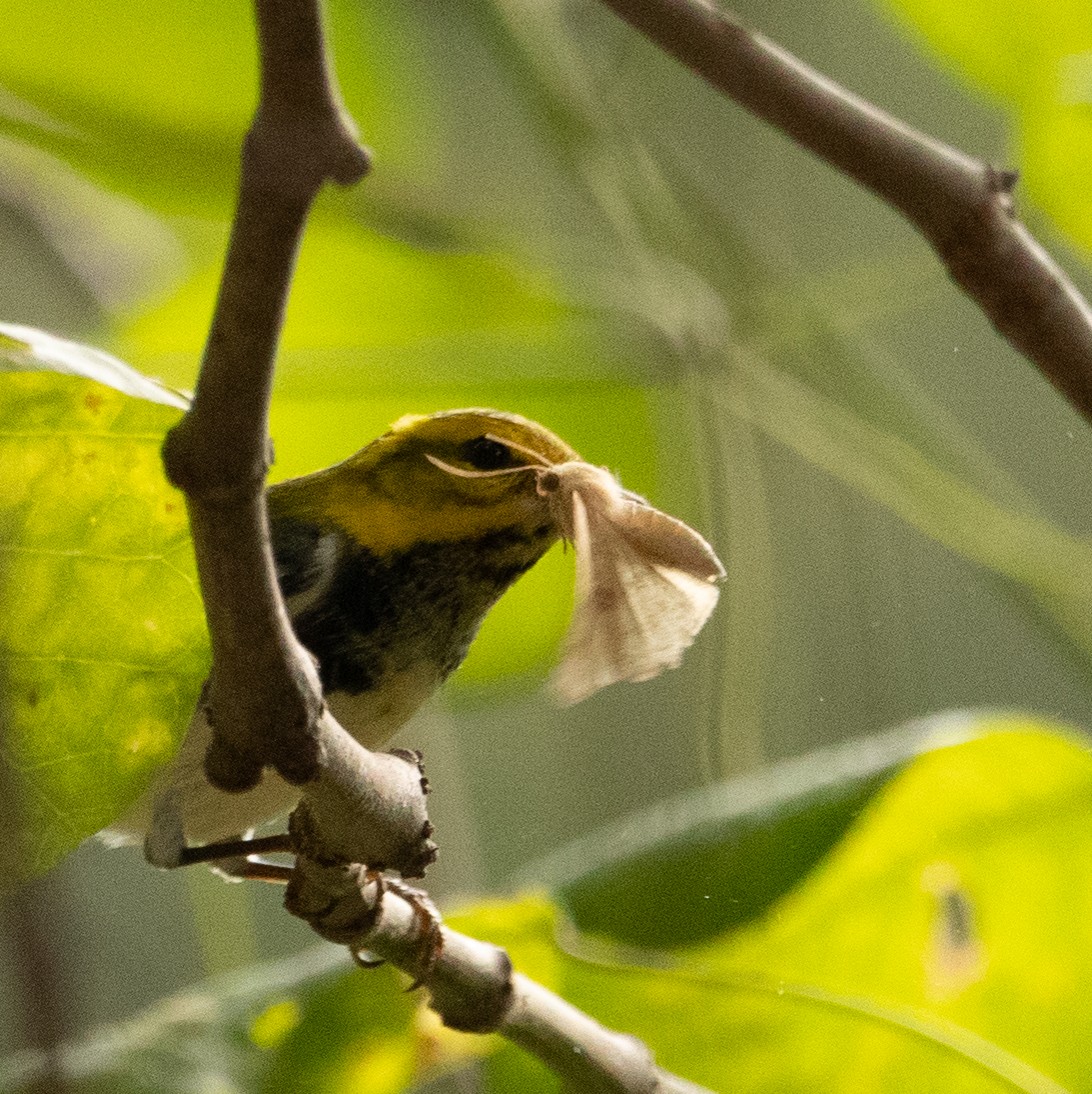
(102, 640)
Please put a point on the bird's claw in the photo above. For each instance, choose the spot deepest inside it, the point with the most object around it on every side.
(427, 920)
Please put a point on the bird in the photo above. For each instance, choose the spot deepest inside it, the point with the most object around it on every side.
(388, 563)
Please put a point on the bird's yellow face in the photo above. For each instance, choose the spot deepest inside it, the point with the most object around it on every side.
(391, 495)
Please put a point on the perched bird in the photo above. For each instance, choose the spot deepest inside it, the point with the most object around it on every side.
(389, 562)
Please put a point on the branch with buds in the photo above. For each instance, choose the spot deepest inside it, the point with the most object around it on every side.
(264, 701)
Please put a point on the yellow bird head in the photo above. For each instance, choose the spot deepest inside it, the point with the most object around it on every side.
(391, 495)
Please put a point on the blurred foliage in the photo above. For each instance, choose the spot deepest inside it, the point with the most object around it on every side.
(563, 223)
(723, 854)
(930, 945)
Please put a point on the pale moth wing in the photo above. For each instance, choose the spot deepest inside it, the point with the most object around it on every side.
(645, 583)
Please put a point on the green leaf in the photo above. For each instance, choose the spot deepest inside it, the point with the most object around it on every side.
(102, 641)
(953, 899)
(750, 1035)
(932, 936)
(161, 112)
(748, 1031)
(723, 855)
(25, 349)
(352, 1030)
(930, 948)
(174, 97)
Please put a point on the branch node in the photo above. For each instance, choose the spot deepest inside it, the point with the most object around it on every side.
(204, 479)
(478, 1003)
(294, 742)
(1002, 180)
(351, 164)
(365, 807)
(293, 155)
(229, 769)
(340, 903)
(418, 865)
(281, 722)
(415, 757)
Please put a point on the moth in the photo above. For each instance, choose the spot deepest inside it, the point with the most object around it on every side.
(646, 583)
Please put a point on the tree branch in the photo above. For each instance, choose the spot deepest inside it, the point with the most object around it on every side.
(264, 696)
(963, 207)
(472, 984)
(264, 700)
(33, 918)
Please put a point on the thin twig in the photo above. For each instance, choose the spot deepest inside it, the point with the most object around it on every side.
(34, 921)
(33, 918)
(963, 207)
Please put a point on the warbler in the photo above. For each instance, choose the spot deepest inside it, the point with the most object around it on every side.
(388, 563)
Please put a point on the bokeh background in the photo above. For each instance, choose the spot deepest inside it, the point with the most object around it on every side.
(564, 223)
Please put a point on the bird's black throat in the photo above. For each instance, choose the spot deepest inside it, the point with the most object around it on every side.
(377, 614)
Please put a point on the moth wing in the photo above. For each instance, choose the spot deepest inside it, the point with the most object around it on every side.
(665, 540)
(637, 610)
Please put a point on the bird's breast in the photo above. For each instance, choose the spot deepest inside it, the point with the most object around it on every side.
(375, 715)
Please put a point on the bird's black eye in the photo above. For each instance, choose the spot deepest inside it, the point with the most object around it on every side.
(486, 454)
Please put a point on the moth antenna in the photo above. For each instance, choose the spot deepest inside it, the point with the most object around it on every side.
(540, 460)
(465, 473)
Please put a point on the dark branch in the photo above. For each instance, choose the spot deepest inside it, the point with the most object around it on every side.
(34, 918)
(963, 207)
(264, 700)
(264, 697)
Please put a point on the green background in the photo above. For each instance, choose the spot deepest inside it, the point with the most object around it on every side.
(563, 223)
